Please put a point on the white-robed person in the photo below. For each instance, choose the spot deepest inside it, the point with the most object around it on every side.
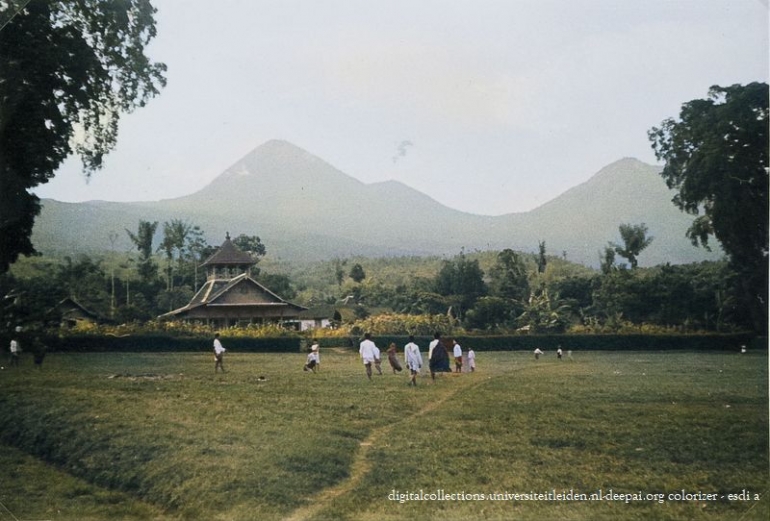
(313, 359)
(219, 353)
(413, 359)
(368, 351)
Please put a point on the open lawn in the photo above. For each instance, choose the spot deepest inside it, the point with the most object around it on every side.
(160, 436)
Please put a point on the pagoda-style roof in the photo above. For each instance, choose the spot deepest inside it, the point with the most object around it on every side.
(251, 294)
(228, 255)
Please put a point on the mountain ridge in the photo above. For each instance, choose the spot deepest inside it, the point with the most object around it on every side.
(304, 208)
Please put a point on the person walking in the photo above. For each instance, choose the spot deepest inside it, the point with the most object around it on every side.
(413, 360)
(15, 350)
(393, 358)
(438, 361)
(312, 362)
(471, 357)
(219, 354)
(377, 360)
(316, 348)
(457, 352)
(367, 350)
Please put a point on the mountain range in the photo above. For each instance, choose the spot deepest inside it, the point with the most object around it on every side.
(304, 209)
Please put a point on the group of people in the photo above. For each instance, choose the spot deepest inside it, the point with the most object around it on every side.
(30, 341)
(438, 357)
(559, 353)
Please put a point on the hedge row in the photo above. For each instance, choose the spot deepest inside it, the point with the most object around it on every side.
(168, 343)
(711, 342)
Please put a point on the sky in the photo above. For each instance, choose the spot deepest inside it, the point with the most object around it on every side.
(489, 107)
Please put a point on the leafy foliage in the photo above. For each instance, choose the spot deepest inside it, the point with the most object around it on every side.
(635, 239)
(567, 297)
(357, 273)
(69, 70)
(463, 280)
(716, 157)
(544, 313)
(142, 239)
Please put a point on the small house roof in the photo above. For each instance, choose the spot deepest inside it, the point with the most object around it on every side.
(229, 254)
(69, 305)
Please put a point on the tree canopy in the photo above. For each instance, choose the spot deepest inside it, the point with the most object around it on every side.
(635, 240)
(68, 69)
(357, 273)
(716, 157)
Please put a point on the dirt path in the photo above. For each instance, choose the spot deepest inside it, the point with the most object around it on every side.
(362, 465)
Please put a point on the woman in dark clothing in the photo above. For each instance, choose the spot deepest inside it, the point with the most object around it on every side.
(439, 358)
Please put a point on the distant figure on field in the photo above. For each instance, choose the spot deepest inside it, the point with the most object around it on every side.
(38, 351)
(367, 351)
(433, 344)
(393, 358)
(538, 352)
(317, 349)
(559, 353)
(413, 359)
(313, 359)
(15, 350)
(457, 352)
(377, 360)
(439, 358)
(471, 357)
(219, 354)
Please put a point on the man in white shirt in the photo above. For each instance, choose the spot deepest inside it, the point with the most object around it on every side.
(368, 352)
(219, 353)
(413, 359)
(458, 354)
(433, 344)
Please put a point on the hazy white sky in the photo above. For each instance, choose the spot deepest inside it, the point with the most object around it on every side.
(506, 103)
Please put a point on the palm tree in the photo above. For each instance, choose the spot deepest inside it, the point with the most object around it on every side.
(634, 241)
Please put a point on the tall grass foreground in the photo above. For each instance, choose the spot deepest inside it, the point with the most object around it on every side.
(660, 435)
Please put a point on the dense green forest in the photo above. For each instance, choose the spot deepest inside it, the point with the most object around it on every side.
(490, 291)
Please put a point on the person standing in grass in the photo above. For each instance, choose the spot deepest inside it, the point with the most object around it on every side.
(316, 348)
(312, 359)
(377, 360)
(438, 361)
(393, 358)
(219, 354)
(433, 344)
(15, 350)
(368, 352)
(538, 352)
(458, 355)
(413, 359)
(471, 357)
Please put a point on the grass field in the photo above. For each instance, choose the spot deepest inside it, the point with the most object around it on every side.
(160, 436)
